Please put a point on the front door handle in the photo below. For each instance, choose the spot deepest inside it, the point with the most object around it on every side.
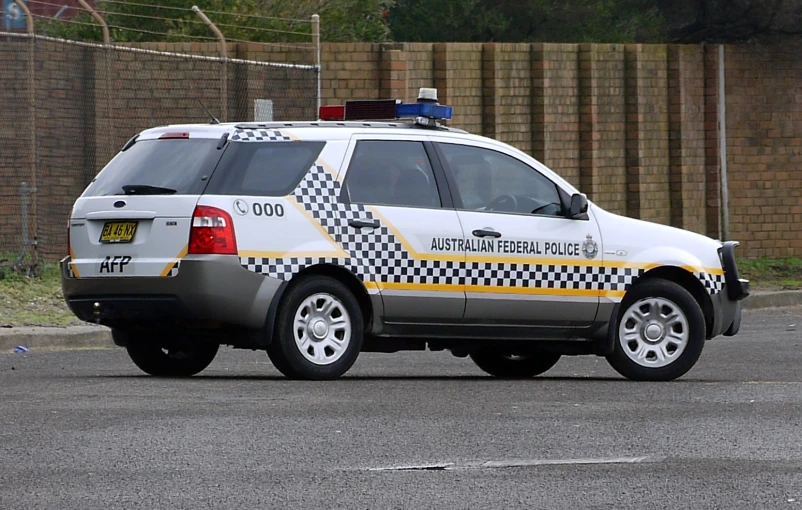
(486, 233)
(364, 223)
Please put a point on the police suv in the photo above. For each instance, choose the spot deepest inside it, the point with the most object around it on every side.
(378, 229)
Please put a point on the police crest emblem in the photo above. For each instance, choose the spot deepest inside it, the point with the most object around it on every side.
(589, 247)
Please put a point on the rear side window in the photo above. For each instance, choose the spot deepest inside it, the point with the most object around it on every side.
(263, 168)
(158, 167)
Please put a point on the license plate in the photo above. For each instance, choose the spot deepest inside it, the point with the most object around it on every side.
(118, 232)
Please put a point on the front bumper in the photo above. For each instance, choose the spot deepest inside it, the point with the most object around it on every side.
(727, 303)
(208, 291)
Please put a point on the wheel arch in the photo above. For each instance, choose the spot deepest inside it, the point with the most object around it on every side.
(346, 277)
(689, 282)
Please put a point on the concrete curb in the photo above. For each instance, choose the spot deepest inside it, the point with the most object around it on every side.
(758, 300)
(70, 337)
(73, 337)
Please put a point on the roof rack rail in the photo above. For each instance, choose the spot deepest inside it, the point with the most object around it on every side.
(341, 124)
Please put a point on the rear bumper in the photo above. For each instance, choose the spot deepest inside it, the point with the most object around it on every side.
(208, 291)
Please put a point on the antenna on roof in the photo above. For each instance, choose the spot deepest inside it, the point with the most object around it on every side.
(214, 119)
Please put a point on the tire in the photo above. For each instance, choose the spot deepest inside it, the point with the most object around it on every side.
(182, 358)
(319, 330)
(660, 332)
(509, 366)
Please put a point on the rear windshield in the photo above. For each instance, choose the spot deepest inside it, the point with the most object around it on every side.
(173, 166)
(263, 168)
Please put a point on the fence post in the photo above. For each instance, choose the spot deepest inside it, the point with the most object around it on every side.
(104, 150)
(24, 188)
(223, 54)
(99, 19)
(28, 17)
(316, 44)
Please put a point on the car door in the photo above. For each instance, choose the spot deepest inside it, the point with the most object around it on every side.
(527, 263)
(398, 207)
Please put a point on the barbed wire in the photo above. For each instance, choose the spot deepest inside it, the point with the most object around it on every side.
(106, 14)
(117, 27)
(186, 9)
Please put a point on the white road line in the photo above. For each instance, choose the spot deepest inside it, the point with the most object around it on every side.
(496, 464)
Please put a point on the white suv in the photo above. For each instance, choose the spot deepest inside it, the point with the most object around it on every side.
(316, 241)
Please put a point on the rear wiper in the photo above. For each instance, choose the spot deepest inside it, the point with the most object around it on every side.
(146, 189)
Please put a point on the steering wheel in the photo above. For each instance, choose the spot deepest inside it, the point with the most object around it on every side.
(503, 199)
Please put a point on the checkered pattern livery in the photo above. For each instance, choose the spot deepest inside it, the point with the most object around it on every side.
(549, 276)
(260, 135)
(174, 270)
(375, 256)
(379, 257)
(714, 283)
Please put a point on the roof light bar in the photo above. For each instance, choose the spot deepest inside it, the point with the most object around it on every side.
(332, 112)
(426, 111)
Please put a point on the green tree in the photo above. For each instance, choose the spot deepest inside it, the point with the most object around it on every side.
(527, 20)
(694, 21)
(248, 20)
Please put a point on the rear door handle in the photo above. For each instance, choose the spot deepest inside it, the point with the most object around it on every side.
(486, 233)
(364, 223)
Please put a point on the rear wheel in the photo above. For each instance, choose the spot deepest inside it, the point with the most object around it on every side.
(661, 332)
(319, 330)
(513, 366)
(173, 357)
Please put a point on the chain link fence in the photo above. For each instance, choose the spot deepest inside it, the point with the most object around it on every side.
(67, 107)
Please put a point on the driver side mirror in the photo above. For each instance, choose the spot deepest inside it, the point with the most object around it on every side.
(579, 207)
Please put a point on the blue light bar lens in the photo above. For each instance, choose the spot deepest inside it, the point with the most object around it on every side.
(429, 110)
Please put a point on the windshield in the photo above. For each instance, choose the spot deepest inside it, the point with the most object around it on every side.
(158, 167)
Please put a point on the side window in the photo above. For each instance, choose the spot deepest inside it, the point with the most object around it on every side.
(384, 172)
(495, 182)
(263, 168)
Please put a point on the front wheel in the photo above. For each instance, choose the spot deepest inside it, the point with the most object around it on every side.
(661, 332)
(169, 358)
(512, 366)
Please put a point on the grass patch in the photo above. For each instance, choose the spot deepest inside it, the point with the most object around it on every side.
(34, 301)
(785, 273)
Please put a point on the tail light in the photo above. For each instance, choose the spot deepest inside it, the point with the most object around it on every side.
(212, 232)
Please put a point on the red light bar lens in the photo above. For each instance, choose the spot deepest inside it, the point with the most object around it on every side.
(169, 136)
(334, 112)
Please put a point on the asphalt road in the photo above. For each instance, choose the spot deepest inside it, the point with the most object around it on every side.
(84, 429)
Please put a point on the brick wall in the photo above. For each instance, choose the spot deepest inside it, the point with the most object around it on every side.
(602, 127)
(647, 154)
(634, 126)
(686, 103)
(15, 143)
(764, 148)
(555, 108)
(89, 101)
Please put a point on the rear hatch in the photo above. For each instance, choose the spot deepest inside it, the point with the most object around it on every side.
(134, 219)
